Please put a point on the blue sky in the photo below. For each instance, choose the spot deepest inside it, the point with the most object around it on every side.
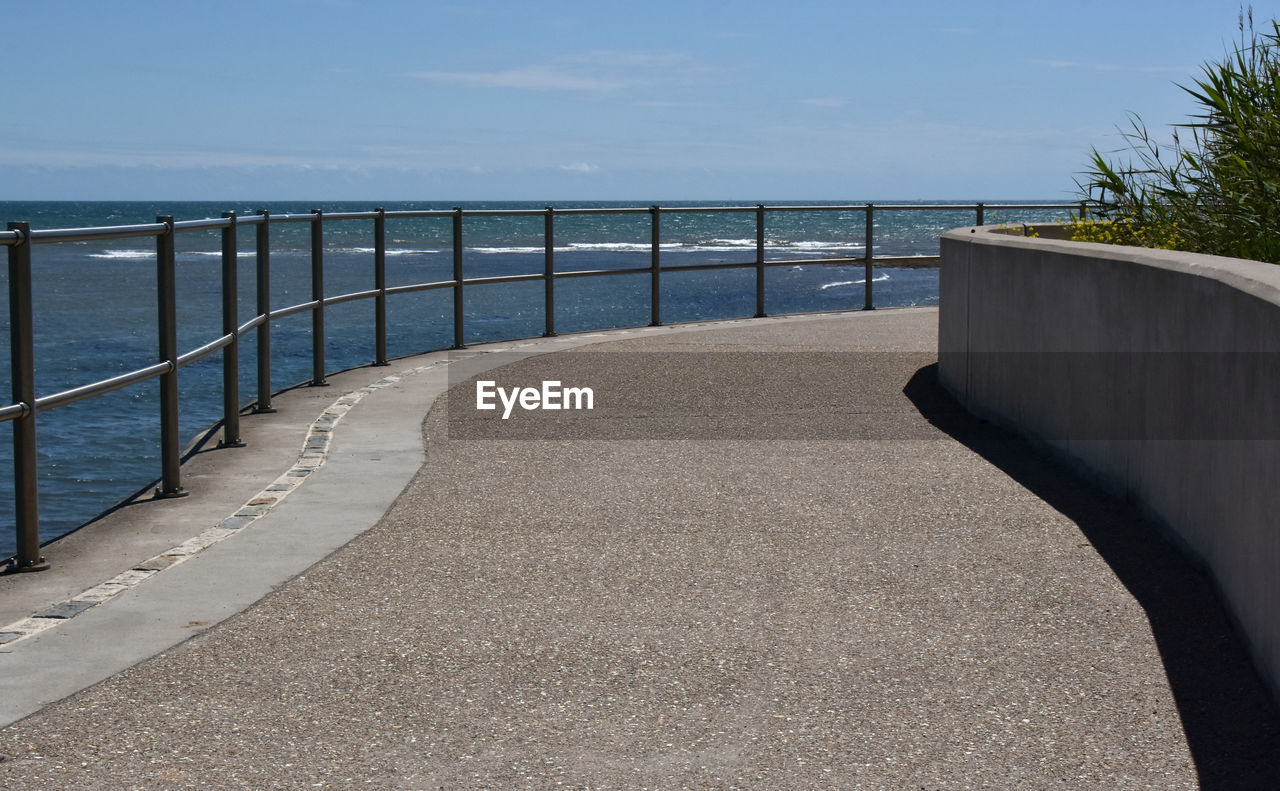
(563, 100)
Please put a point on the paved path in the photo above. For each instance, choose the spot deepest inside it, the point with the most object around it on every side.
(774, 556)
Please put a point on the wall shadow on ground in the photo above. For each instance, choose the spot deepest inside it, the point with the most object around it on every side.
(1231, 721)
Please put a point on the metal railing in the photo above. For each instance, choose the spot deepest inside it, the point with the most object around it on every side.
(20, 238)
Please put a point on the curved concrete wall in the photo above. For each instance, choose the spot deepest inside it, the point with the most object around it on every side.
(1156, 372)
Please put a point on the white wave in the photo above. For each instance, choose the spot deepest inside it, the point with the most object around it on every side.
(716, 246)
(390, 251)
(842, 283)
(123, 254)
(825, 246)
(614, 247)
(506, 250)
(586, 247)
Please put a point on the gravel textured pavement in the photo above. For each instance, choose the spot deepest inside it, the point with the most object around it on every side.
(774, 556)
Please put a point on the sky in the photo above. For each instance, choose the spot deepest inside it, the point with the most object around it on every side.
(562, 100)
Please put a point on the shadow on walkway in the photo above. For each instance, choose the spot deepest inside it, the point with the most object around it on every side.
(1231, 722)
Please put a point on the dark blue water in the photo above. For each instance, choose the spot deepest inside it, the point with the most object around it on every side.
(95, 306)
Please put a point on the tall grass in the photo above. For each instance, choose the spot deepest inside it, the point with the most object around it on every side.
(1219, 192)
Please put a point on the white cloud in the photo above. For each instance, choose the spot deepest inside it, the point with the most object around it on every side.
(592, 72)
(824, 101)
(581, 167)
(534, 78)
(613, 58)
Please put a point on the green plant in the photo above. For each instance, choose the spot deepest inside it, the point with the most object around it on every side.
(1220, 193)
(1153, 234)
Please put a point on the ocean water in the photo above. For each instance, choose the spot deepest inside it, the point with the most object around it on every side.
(95, 305)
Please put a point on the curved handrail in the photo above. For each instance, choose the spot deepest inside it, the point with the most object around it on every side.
(105, 386)
(100, 387)
(204, 351)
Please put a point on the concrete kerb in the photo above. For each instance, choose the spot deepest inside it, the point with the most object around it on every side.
(86, 620)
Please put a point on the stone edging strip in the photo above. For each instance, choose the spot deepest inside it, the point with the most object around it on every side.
(315, 450)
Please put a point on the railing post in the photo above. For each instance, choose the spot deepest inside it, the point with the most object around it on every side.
(868, 276)
(1084, 210)
(760, 261)
(459, 338)
(317, 296)
(655, 269)
(22, 374)
(549, 272)
(264, 310)
(231, 352)
(166, 299)
(380, 283)
(981, 213)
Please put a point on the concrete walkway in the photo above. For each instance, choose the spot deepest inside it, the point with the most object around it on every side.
(773, 556)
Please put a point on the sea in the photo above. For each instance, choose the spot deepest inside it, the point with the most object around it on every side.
(95, 311)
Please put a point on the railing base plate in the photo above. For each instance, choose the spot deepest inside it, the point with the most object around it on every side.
(12, 567)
